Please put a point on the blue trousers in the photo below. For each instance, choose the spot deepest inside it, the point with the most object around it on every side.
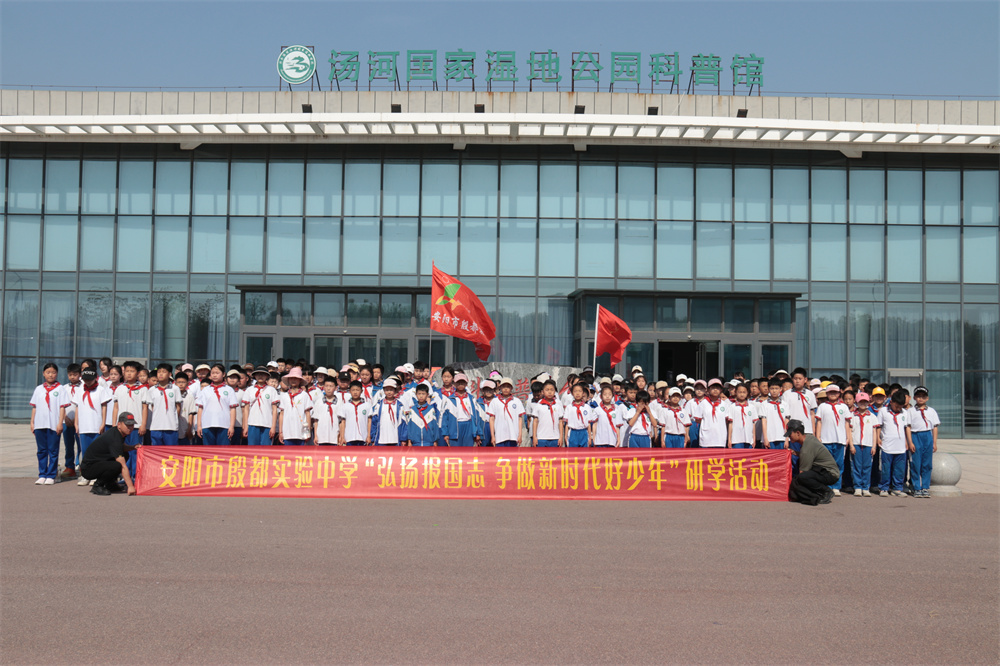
(673, 441)
(578, 438)
(508, 443)
(358, 442)
(921, 460)
(215, 436)
(893, 468)
(71, 444)
(639, 442)
(237, 438)
(183, 441)
(548, 443)
(742, 445)
(132, 440)
(85, 439)
(693, 432)
(47, 443)
(780, 444)
(795, 456)
(837, 451)
(861, 467)
(294, 442)
(163, 437)
(466, 437)
(258, 436)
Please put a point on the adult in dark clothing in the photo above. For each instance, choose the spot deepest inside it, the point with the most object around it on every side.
(817, 468)
(107, 458)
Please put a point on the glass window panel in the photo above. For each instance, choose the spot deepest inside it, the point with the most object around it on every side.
(597, 237)
(609, 303)
(134, 243)
(715, 193)
(979, 265)
(169, 326)
(260, 308)
(322, 245)
(557, 244)
(738, 358)
(438, 243)
(944, 335)
(866, 256)
(401, 194)
(399, 246)
(867, 196)
(829, 255)
(981, 338)
(714, 250)
(208, 244)
(98, 191)
(829, 332)
(829, 195)
(753, 194)
(296, 309)
(296, 347)
(517, 247)
(97, 242)
(903, 255)
(675, 250)
(518, 190)
(284, 245)
(867, 335)
(20, 323)
(210, 187)
(753, 254)
(671, 314)
(904, 196)
(981, 405)
(362, 310)
(479, 247)
(439, 189)
(945, 390)
(173, 188)
(60, 243)
(18, 378)
(791, 195)
(979, 197)
(635, 249)
(706, 314)
(396, 310)
(597, 191)
(801, 349)
(329, 350)
(24, 186)
(361, 348)
(324, 180)
(135, 187)
(233, 351)
(641, 354)
(328, 310)
(904, 329)
(775, 316)
(246, 245)
(62, 186)
(285, 182)
(131, 325)
(739, 315)
(943, 254)
(557, 189)
(58, 324)
(941, 197)
(479, 189)
(248, 182)
(515, 323)
(636, 191)
(207, 327)
(675, 193)
(170, 237)
(393, 352)
(93, 324)
(638, 313)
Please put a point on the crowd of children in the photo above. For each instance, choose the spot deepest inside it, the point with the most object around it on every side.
(869, 429)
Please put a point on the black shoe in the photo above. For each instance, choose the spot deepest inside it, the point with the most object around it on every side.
(115, 488)
(827, 498)
(98, 489)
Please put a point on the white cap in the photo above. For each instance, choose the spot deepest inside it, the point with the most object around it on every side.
(360, 363)
(636, 367)
(682, 377)
(408, 367)
(604, 380)
(488, 383)
(617, 378)
(321, 371)
(390, 383)
(272, 364)
(544, 377)
(734, 382)
(674, 391)
(508, 381)
(690, 381)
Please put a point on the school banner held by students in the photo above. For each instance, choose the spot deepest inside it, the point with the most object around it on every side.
(612, 335)
(458, 312)
(464, 473)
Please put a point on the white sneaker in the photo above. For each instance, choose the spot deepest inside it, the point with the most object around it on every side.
(857, 492)
(866, 493)
(40, 482)
(50, 482)
(883, 493)
(82, 482)
(836, 493)
(92, 482)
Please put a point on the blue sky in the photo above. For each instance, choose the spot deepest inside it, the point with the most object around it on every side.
(865, 48)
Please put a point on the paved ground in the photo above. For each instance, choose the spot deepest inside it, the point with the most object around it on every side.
(87, 579)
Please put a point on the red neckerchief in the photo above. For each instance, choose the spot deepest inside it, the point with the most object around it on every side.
(919, 409)
(420, 413)
(356, 405)
(505, 406)
(777, 408)
(87, 391)
(216, 387)
(802, 397)
(50, 389)
(329, 407)
(549, 404)
(163, 392)
(645, 424)
(894, 420)
(391, 404)
(132, 389)
(743, 413)
(861, 417)
(714, 405)
(836, 416)
(607, 412)
(461, 401)
(676, 411)
(579, 412)
(256, 396)
(448, 392)
(292, 395)
(367, 389)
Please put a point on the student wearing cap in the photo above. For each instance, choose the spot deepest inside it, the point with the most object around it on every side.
(217, 404)
(354, 418)
(833, 421)
(260, 409)
(609, 420)
(716, 425)
(487, 391)
(693, 409)
(505, 412)
(641, 422)
(811, 486)
(325, 415)
(579, 417)
(424, 419)
(680, 380)
(48, 414)
(388, 418)
(774, 416)
(894, 440)
(71, 441)
(743, 419)
(233, 379)
(186, 420)
(92, 404)
(675, 421)
(294, 411)
(924, 424)
(464, 425)
(863, 427)
(104, 460)
(548, 426)
(163, 407)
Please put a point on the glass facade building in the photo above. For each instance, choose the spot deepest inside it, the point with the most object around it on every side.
(719, 259)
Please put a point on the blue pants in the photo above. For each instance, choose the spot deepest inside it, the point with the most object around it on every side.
(357, 442)
(466, 437)
(183, 441)
(294, 442)
(508, 443)
(215, 436)
(258, 436)
(693, 432)
(780, 444)
(921, 460)
(85, 439)
(237, 438)
(893, 468)
(47, 443)
(795, 456)
(673, 441)
(742, 445)
(548, 443)
(578, 438)
(837, 451)
(132, 440)
(71, 444)
(639, 442)
(163, 438)
(861, 467)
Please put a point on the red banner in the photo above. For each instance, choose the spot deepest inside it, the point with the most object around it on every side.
(465, 473)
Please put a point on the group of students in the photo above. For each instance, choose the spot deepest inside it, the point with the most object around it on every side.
(294, 403)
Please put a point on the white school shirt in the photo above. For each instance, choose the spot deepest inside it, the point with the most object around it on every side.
(216, 402)
(390, 416)
(800, 406)
(863, 425)
(579, 417)
(239, 407)
(355, 417)
(713, 430)
(162, 404)
(744, 417)
(343, 395)
(693, 409)
(776, 413)
(88, 409)
(608, 425)
(47, 411)
(295, 414)
(922, 420)
(547, 417)
(507, 418)
(893, 427)
(260, 400)
(189, 408)
(326, 418)
(833, 422)
(72, 390)
(129, 401)
(674, 421)
(110, 415)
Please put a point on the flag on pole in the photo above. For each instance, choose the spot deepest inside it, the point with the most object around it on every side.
(458, 312)
(612, 336)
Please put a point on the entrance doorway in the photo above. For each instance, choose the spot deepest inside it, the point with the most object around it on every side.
(694, 359)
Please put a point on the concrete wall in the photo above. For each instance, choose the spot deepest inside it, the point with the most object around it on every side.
(74, 102)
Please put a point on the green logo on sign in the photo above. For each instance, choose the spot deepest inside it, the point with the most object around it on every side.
(296, 64)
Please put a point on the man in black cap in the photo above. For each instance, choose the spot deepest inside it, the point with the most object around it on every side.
(817, 468)
(106, 458)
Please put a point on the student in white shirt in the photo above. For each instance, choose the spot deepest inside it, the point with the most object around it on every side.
(354, 418)
(548, 426)
(642, 423)
(743, 416)
(260, 409)
(92, 405)
(461, 420)
(801, 402)
(774, 414)
(833, 420)
(326, 415)
(579, 417)
(863, 427)
(294, 411)
(693, 409)
(112, 383)
(388, 425)
(188, 410)
(217, 404)
(163, 407)
(715, 412)
(234, 379)
(608, 421)
(130, 396)
(675, 421)
(924, 424)
(894, 440)
(71, 442)
(48, 413)
(505, 413)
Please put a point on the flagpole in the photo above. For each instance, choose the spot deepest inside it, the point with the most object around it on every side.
(597, 317)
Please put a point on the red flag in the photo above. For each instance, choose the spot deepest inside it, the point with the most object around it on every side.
(458, 312)
(612, 336)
